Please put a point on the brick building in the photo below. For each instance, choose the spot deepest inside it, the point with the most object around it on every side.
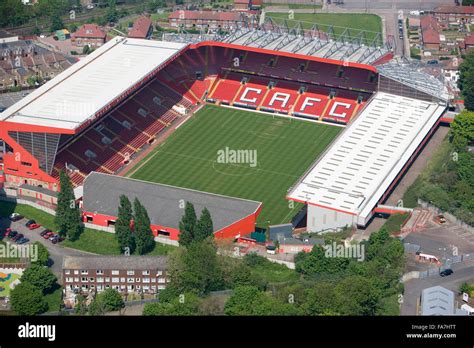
(430, 33)
(89, 34)
(142, 28)
(201, 19)
(454, 13)
(126, 274)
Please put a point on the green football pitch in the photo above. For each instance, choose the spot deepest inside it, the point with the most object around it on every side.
(195, 157)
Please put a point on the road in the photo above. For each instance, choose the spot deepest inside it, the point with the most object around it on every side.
(463, 272)
(56, 251)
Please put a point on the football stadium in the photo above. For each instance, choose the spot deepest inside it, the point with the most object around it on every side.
(257, 127)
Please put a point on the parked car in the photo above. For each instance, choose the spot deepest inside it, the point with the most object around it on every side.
(44, 232)
(12, 234)
(441, 219)
(56, 239)
(15, 217)
(48, 235)
(30, 222)
(446, 272)
(17, 236)
(34, 226)
(22, 240)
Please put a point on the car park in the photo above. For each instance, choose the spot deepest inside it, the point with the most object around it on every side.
(15, 217)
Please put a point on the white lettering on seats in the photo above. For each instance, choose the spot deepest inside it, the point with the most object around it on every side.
(247, 90)
(337, 104)
(282, 97)
(309, 102)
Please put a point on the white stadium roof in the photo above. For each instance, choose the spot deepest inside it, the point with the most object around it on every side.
(360, 166)
(91, 84)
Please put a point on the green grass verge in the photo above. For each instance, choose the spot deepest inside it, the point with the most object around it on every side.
(394, 222)
(53, 299)
(285, 149)
(369, 22)
(272, 272)
(435, 163)
(91, 240)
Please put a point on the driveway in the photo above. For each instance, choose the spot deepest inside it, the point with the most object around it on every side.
(56, 251)
(463, 272)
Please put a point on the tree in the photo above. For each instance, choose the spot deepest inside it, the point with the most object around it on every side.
(112, 14)
(248, 300)
(462, 130)
(123, 231)
(316, 262)
(86, 49)
(320, 300)
(187, 225)
(56, 23)
(107, 301)
(26, 299)
(184, 304)
(68, 215)
(466, 80)
(43, 254)
(40, 277)
(143, 235)
(357, 295)
(195, 268)
(204, 227)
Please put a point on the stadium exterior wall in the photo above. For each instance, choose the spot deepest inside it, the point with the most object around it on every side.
(239, 228)
(323, 219)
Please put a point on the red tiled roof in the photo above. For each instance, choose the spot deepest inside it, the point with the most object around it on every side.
(428, 21)
(469, 40)
(241, 2)
(205, 15)
(91, 31)
(140, 28)
(455, 9)
(430, 36)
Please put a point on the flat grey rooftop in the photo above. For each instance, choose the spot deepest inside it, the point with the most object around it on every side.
(115, 262)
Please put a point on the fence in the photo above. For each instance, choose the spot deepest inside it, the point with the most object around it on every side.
(449, 216)
(30, 203)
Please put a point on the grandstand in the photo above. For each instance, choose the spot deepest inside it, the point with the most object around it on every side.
(98, 115)
(345, 185)
(351, 45)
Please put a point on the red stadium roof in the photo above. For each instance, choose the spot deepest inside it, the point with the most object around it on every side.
(141, 27)
(285, 54)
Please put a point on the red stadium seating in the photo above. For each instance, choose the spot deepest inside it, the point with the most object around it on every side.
(273, 83)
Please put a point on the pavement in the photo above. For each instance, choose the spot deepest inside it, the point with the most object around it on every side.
(56, 251)
(463, 272)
